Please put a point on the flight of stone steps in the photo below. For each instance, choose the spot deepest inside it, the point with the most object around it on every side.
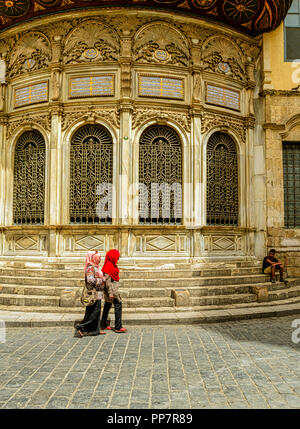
(143, 288)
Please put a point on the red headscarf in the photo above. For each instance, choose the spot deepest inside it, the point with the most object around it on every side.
(93, 258)
(110, 264)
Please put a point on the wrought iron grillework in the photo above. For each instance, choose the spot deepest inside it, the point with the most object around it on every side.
(291, 174)
(160, 176)
(222, 181)
(91, 157)
(29, 179)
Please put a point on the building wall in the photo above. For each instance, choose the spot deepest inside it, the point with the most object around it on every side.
(194, 54)
(282, 124)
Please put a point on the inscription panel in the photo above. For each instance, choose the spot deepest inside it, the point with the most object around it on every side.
(161, 87)
(31, 94)
(92, 86)
(220, 96)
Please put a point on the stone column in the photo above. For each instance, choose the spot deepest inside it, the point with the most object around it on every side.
(3, 157)
(3, 121)
(125, 144)
(55, 178)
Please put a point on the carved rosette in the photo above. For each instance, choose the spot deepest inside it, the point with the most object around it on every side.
(161, 116)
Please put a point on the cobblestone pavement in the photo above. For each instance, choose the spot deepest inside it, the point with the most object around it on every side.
(248, 364)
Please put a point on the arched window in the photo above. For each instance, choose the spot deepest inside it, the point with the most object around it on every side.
(160, 176)
(29, 179)
(91, 158)
(222, 181)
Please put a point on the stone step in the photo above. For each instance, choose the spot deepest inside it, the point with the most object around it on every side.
(199, 297)
(223, 299)
(281, 294)
(141, 292)
(29, 300)
(131, 274)
(241, 307)
(144, 292)
(146, 283)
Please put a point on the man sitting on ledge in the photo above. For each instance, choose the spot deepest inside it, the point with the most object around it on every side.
(271, 264)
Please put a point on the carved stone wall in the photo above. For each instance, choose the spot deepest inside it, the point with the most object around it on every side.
(127, 74)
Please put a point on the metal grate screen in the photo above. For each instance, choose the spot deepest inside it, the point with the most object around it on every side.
(291, 174)
(91, 159)
(29, 179)
(222, 181)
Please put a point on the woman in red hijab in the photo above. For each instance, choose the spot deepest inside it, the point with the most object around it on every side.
(111, 293)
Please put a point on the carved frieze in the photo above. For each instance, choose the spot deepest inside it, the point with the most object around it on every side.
(210, 120)
(109, 115)
(43, 120)
(161, 116)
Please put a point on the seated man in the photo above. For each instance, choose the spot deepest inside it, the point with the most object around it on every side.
(271, 264)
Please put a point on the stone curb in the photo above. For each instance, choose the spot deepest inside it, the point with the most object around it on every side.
(21, 319)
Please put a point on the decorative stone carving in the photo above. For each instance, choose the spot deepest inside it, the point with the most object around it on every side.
(211, 120)
(161, 43)
(44, 120)
(220, 55)
(31, 52)
(91, 41)
(161, 115)
(111, 116)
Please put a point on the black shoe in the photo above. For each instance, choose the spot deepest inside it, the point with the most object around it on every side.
(282, 280)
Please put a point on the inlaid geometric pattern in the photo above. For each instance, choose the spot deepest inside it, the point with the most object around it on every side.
(27, 243)
(161, 243)
(251, 16)
(89, 242)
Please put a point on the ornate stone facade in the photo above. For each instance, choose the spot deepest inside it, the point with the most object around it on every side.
(127, 74)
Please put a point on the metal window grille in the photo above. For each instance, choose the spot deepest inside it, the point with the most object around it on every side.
(222, 181)
(91, 157)
(160, 176)
(291, 174)
(29, 179)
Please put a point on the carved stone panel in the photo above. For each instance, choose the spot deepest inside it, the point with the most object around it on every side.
(162, 244)
(30, 53)
(20, 243)
(220, 55)
(91, 41)
(160, 43)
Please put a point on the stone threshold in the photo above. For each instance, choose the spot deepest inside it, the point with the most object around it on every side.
(31, 319)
